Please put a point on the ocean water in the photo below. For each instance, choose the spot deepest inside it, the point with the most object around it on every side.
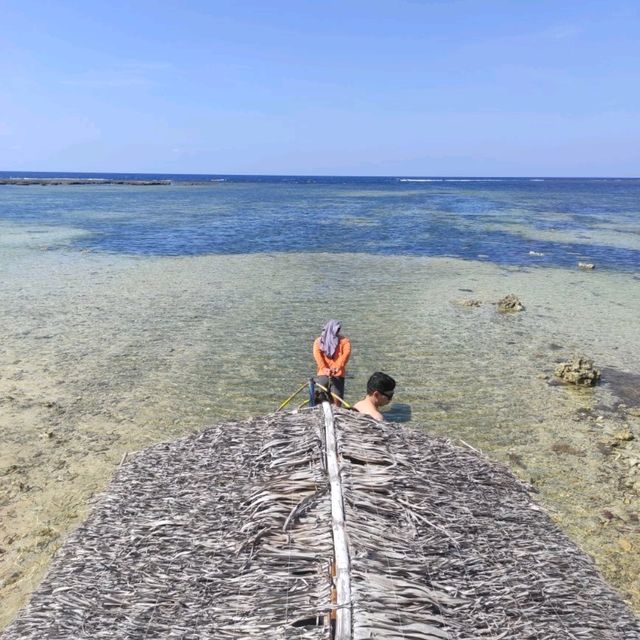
(135, 314)
(489, 219)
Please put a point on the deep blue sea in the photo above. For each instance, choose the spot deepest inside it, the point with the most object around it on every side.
(510, 221)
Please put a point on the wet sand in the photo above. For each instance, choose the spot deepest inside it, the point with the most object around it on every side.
(102, 355)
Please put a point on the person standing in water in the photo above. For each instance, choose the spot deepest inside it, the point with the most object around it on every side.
(380, 388)
(331, 351)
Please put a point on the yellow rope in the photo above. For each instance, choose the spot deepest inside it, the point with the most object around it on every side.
(344, 403)
(292, 396)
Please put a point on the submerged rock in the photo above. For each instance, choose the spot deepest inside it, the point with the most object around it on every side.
(624, 435)
(564, 448)
(579, 371)
(509, 304)
(468, 302)
(625, 545)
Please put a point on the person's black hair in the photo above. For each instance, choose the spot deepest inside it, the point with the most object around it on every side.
(380, 382)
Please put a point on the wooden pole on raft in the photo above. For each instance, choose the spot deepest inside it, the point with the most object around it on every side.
(340, 543)
(292, 396)
(342, 401)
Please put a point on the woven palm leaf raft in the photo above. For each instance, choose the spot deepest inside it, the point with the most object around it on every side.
(319, 524)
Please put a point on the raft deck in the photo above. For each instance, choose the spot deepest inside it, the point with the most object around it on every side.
(234, 532)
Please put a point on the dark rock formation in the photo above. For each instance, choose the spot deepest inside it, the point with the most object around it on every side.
(509, 304)
(579, 371)
(48, 182)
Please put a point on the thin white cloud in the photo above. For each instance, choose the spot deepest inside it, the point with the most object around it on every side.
(122, 76)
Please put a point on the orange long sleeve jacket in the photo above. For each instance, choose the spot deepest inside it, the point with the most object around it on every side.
(332, 366)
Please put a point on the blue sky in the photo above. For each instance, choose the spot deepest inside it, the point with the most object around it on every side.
(449, 87)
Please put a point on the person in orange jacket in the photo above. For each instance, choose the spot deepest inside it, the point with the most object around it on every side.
(331, 352)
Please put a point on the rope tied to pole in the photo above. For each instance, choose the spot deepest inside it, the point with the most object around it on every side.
(311, 385)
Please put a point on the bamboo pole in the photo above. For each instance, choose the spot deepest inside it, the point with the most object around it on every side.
(340, 542)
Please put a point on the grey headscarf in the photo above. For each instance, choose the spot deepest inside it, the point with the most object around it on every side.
(329, 338)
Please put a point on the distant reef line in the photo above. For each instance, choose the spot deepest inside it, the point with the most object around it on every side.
(80, 181)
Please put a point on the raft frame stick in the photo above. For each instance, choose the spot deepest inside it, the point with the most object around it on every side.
(335, 396)
(340, 540)
(291, 397)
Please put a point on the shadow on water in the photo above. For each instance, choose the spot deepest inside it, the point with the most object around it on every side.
(398, 412)
(623, 384)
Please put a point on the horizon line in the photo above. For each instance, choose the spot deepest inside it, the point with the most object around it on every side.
(326, 175)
